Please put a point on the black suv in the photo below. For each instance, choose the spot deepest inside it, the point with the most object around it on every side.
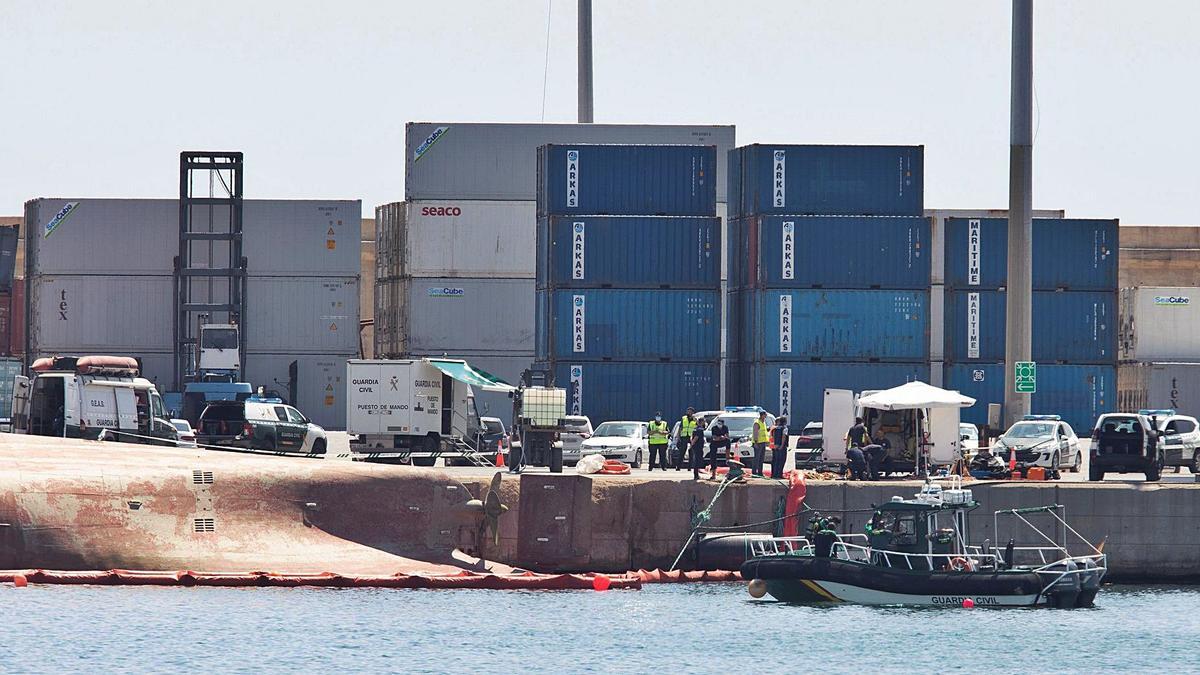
(1125, 443)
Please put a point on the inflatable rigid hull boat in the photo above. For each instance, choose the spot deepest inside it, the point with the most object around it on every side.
(915, 553)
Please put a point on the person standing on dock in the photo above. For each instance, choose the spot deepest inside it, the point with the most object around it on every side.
(683, 444)
(779, 447)
(760, 436)
(719, 439)
(856, 439)
(696, 450)
(658, 441)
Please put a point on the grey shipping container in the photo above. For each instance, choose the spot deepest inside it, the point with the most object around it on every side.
(141, 236)
(451, 160)
(95, 314)
(320, 383)
(444, 315)
(1159, 386)
(302, 315)
(456, 238)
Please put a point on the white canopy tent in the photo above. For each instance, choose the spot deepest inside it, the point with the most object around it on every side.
(915, 395)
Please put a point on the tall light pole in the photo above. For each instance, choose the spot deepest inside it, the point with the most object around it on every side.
(1018, 331)
(585, 61)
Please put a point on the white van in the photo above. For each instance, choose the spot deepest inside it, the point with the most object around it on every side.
(79, 397)
(908, 431)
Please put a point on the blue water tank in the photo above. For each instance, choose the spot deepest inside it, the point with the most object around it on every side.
(1068, 326)
(830, 325)
(1079, 393)
(623, 390)
(628, 252)
(624, 324)
(796, 388)
(826, 180)
(1070, 254)
(829, 252)
(659, 180)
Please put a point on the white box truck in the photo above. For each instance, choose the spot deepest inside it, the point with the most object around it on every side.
(415, 408)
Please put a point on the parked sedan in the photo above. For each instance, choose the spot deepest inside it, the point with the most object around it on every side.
(1180, 442)
(187, 436)
(576, 430)
(626, 441)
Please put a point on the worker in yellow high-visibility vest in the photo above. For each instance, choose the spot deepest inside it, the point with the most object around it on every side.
(658, 442)
(760, 435)
(686, 426)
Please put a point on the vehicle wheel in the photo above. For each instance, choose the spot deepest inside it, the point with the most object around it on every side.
(319, 446)
(428, 444)
(1195, 467)
(637, 460)
(1078, 463)
(1055, 462)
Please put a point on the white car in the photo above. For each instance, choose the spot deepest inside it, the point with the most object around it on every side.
(626, 441)
(187, 436)
(577, 429)
(1180, 442)
(1041, 440)
(968, 436)
(740, 423)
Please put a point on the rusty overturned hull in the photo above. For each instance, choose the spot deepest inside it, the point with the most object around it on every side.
(85, 505)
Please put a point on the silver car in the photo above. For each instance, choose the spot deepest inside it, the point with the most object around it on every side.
(577, 429)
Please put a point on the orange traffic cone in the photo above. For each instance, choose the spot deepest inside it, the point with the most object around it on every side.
(1012, 459)
(499, 457)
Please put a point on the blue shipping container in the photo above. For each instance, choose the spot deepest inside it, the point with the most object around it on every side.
(829, 252)
(606, 323)
(797, 388)
(1079, 394)
(830, 325)
(826, 180)
(628, 252)
(1068, 326)
(1077, 255)
(615, 390)
(630, 180)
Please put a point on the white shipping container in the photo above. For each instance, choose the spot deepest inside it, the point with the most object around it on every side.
(302, 315)
(1159, 386)
(448, 315)
(461, 238)
(71, 314)
(320, 382)
(1159, 324)
(458, 160)
(141, 236)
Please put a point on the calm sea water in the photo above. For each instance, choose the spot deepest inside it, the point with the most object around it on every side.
(683, 628)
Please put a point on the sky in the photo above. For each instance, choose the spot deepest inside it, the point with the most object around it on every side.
(100, 97)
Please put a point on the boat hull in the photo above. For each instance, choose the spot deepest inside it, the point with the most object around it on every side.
(805, 579)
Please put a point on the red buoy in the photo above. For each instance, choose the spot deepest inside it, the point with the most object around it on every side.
(20, 581)
(968, 603)
(601, 582)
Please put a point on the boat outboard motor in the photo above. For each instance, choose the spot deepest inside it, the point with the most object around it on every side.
(1064, 591)
(1089, 585)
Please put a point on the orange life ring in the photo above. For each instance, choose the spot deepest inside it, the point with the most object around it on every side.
(961, 564)
(614, 467)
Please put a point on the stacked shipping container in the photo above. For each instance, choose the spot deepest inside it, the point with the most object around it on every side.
(99, 275)
(628, 278)
(1160, 355)
(1074, 315)
(829, 272)
(455, 262)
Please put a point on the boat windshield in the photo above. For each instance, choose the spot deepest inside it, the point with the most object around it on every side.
(627, 429)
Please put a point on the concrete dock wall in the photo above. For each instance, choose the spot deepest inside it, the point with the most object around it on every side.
(576, 523)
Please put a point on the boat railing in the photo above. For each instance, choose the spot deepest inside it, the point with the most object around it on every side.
(968, 560)
(778, 546)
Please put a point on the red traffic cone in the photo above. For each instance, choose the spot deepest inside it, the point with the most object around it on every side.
(499, 455)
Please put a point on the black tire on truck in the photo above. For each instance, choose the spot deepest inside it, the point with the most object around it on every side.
(428, 444)
(556, 460)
